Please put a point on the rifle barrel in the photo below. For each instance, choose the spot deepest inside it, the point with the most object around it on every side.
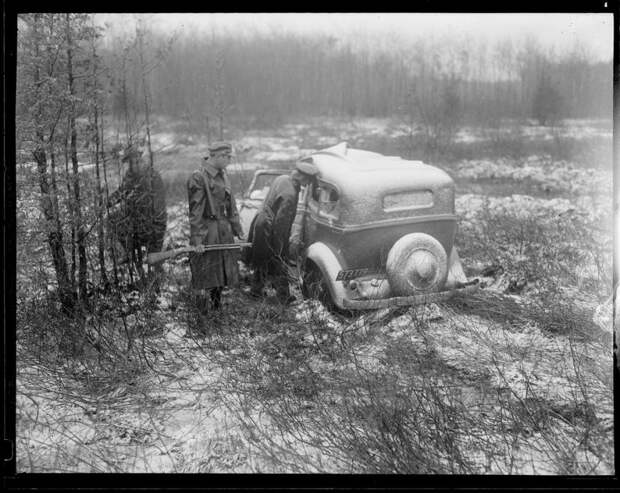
(156, 257)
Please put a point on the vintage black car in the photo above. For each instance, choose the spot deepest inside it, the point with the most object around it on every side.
(375, 231)
(378, 231)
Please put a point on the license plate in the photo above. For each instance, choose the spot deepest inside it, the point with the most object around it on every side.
(346, 275)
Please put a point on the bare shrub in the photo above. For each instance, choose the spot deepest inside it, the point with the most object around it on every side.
(493, 384)
(546, 252)
(391, 401)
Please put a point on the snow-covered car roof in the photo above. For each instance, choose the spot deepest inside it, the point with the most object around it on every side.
(357, 172)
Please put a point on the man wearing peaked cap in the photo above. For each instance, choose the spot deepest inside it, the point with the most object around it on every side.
(213, 219)
(271, 228)
(141, 222)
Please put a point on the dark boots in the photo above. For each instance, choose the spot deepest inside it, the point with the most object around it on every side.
(205, 313)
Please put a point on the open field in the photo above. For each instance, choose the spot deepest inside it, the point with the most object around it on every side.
(514, 380)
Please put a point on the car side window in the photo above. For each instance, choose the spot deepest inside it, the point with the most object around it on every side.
(316, 192)
(328, 197)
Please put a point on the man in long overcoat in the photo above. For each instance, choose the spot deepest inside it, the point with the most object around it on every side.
(141, 221)
(213, 219)
(271, 229)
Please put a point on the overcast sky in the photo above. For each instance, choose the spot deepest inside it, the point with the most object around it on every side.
(561, 31)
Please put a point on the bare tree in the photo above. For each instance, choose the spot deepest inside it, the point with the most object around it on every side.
(145, 87)
(81, 247)
(44, 125)
(98, 153)
(219, 92)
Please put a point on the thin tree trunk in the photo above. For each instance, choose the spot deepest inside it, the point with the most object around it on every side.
(49, 201)
(145, 90)
(207, 100)
(82, 271)
(219, 66)
(99, 203)
(125, 101)
(54, 237)
(107, 198)
(54, 196)
(70, 205)
(98, 196)
(54, 184)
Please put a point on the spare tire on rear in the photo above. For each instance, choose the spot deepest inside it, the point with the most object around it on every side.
(417, 263)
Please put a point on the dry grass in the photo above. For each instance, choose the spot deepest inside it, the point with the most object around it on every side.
(429, 391)
(514, 380)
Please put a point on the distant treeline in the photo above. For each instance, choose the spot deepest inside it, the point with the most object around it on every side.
(276, 76)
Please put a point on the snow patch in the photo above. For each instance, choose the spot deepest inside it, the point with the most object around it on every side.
(551, 175)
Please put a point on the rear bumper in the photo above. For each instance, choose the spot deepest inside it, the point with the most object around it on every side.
(409, 300)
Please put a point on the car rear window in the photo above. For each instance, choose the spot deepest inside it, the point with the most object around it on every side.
(411, 199)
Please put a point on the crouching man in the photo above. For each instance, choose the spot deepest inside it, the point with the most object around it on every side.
(271, 228)
(213, 219)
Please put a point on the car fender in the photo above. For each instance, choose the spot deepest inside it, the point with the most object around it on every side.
(456, 275)
(328, 263)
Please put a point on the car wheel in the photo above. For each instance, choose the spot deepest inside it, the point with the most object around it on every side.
(417, 263)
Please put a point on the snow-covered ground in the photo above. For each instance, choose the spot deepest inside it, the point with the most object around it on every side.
(525, 206)
(177, 416)
(551, 175)
(166, 421)
(183, 424)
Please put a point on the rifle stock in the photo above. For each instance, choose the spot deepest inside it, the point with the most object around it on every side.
(157, 257)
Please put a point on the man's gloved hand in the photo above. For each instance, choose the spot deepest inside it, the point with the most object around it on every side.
(242, 237)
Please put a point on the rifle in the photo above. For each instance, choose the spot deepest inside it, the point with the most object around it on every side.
(297, 236)
(155, 258)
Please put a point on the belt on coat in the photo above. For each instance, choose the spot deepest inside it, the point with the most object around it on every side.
(222, 214)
